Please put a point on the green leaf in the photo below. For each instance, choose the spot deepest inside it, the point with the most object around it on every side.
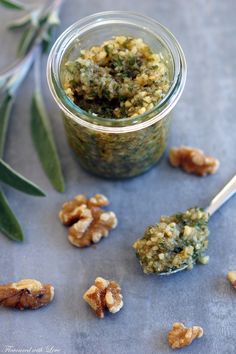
(5, 111)
(10, 4)
(8, 222)
(20, 74)
(14, 179)
(44, 142)
(20, 23)
(27, 39)
(47, 40)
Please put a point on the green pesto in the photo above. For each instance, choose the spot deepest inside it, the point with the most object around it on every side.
(176, 241)
(118, 155)
(119, 78)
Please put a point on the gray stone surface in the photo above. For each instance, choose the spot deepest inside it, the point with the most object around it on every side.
(205, 117)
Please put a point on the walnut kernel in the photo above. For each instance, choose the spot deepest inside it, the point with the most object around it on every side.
(89, 222)
(26, 294)
(105, 294)
(193, 160)
(181, 336)
(232, 278)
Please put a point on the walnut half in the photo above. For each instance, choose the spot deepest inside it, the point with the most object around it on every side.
(232, 278)
(105, 294)
(87, 220)
(26, 294)
(181, 336)
(193, 160)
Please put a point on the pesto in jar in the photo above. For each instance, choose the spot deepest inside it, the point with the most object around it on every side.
(120, 78)
(118, 155)
(176, 241)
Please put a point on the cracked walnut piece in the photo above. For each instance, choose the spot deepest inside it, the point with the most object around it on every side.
(232, 278)
(26, 294)
(89, 222)
(181, 336)
(193, 160)
(105, 294)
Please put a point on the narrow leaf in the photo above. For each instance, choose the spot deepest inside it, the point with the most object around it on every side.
(47, 40)
(5, 111)
(44, 142)
(20, 22)
(43, 20)
(27, 40)
(20, 74)
(8, 222)
(10, 4)
(14, 179)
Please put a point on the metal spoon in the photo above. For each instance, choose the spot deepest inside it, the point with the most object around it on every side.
(225, 194)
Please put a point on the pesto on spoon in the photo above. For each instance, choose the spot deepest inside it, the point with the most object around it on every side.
(180, 240)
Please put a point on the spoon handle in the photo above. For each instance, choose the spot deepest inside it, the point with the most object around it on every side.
(227, 192)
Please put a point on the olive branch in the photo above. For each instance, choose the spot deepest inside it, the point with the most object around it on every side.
(36, 24)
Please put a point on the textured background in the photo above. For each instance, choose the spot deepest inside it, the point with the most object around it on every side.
(204, 117)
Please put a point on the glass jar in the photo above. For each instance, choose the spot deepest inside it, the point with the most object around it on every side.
(117, 148)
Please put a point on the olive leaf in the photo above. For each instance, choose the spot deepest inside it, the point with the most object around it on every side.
(10, 4)
(44, 142)
(47, 40)
(9, 225)
(20, 23)
(5, 111)
(14, 179)
(8, 221)
(27, 39)
(23, 68)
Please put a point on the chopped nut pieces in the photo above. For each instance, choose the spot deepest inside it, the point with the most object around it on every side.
(181, 336)
(193, 160)
(105, 294)
(89, 222)
(26, 294)
(232, 278)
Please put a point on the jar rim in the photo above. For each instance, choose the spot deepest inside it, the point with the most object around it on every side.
(126, 124)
